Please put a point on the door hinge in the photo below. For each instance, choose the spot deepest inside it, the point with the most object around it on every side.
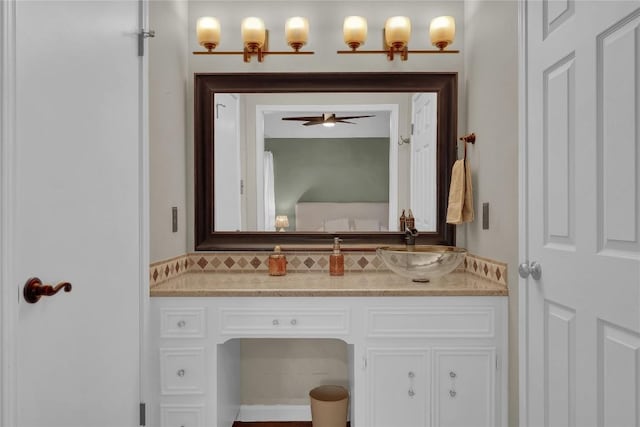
(364, 363)
(143, 414)
(411, 128)
(497, 363)
(241, 186)
(141, 36)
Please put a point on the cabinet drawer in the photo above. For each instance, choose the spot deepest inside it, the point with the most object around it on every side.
(182, 415)
(182, 322)
(441, 322)
(273, 322)
(182, 371)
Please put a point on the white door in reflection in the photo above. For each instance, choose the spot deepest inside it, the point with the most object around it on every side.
(227, 216)
(424, 144)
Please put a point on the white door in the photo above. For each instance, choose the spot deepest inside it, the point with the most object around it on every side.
(580, 332)
(76, 194)
(227, 209)
(424, 144)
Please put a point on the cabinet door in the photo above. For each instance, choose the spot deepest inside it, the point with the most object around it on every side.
(398, 387)
(464, 389)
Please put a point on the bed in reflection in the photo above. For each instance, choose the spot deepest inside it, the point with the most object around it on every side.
(333, 217)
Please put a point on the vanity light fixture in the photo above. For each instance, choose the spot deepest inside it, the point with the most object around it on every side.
(442, 31)
(255, 37)
(397, 32)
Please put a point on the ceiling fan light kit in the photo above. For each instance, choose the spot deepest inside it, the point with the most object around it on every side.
(396, 35)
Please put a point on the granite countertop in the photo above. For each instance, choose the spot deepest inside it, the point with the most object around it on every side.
(319, 284)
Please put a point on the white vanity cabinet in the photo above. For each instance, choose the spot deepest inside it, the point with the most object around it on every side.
(415, 361)
(436, 361)
(180, 364)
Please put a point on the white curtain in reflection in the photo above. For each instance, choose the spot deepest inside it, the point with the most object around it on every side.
(269, 193)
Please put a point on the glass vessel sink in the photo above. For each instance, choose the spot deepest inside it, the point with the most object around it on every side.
(421, 263)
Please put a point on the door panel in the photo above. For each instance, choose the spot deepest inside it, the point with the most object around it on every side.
(582, 199)
(559, 156)
(227, 214)
(560, 354)
(619, 395)
(617, 142)
(78, 211)
(423, 160)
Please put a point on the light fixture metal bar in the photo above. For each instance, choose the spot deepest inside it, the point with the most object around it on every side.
(240, 52)
(386, 51)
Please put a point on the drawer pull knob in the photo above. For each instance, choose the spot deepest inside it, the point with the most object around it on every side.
(452, 374)
(411, 392)
(294, 322)
(452, 393)
(182, 324)
(411, 374)
(275, 322)
(180, 373)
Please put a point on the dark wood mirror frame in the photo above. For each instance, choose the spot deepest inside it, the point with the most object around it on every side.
(207, 85)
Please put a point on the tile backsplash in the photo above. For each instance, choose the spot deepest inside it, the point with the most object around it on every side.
(300, 262)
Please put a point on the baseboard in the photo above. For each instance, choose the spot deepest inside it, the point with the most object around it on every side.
(274, 413)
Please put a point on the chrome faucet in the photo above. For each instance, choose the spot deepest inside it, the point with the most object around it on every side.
(410, 236)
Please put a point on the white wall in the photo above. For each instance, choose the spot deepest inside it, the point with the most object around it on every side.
(168, 65)
(491, 58)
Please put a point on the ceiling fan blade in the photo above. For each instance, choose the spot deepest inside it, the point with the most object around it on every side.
(352, 117)
(312, 123)
(304, 119)
(344, 121)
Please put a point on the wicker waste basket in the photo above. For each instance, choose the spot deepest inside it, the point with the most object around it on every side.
(329, 405)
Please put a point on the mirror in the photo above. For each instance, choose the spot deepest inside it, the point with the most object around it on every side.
(264, 99)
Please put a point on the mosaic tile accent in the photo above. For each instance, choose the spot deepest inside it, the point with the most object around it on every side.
(164, 270)
(300, 262)
(296, 261)
(486, 268)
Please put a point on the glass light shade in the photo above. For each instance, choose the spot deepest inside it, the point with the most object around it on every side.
(208, 31)
(354, 31)
(297, 31)
(282, 221)
(442, 31)
(253, 32)
(397, 31)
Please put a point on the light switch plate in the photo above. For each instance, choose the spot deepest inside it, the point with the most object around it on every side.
(174, 219)
(485, 216)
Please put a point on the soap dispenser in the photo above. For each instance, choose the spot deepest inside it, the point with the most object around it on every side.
(336, 259)
(277, 263)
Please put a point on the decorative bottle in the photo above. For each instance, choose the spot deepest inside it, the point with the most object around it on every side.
(403, 221)
(277, 263)
(410, 221)
(336, 259)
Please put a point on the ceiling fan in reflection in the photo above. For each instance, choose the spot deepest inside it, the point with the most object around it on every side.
(326, 119)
